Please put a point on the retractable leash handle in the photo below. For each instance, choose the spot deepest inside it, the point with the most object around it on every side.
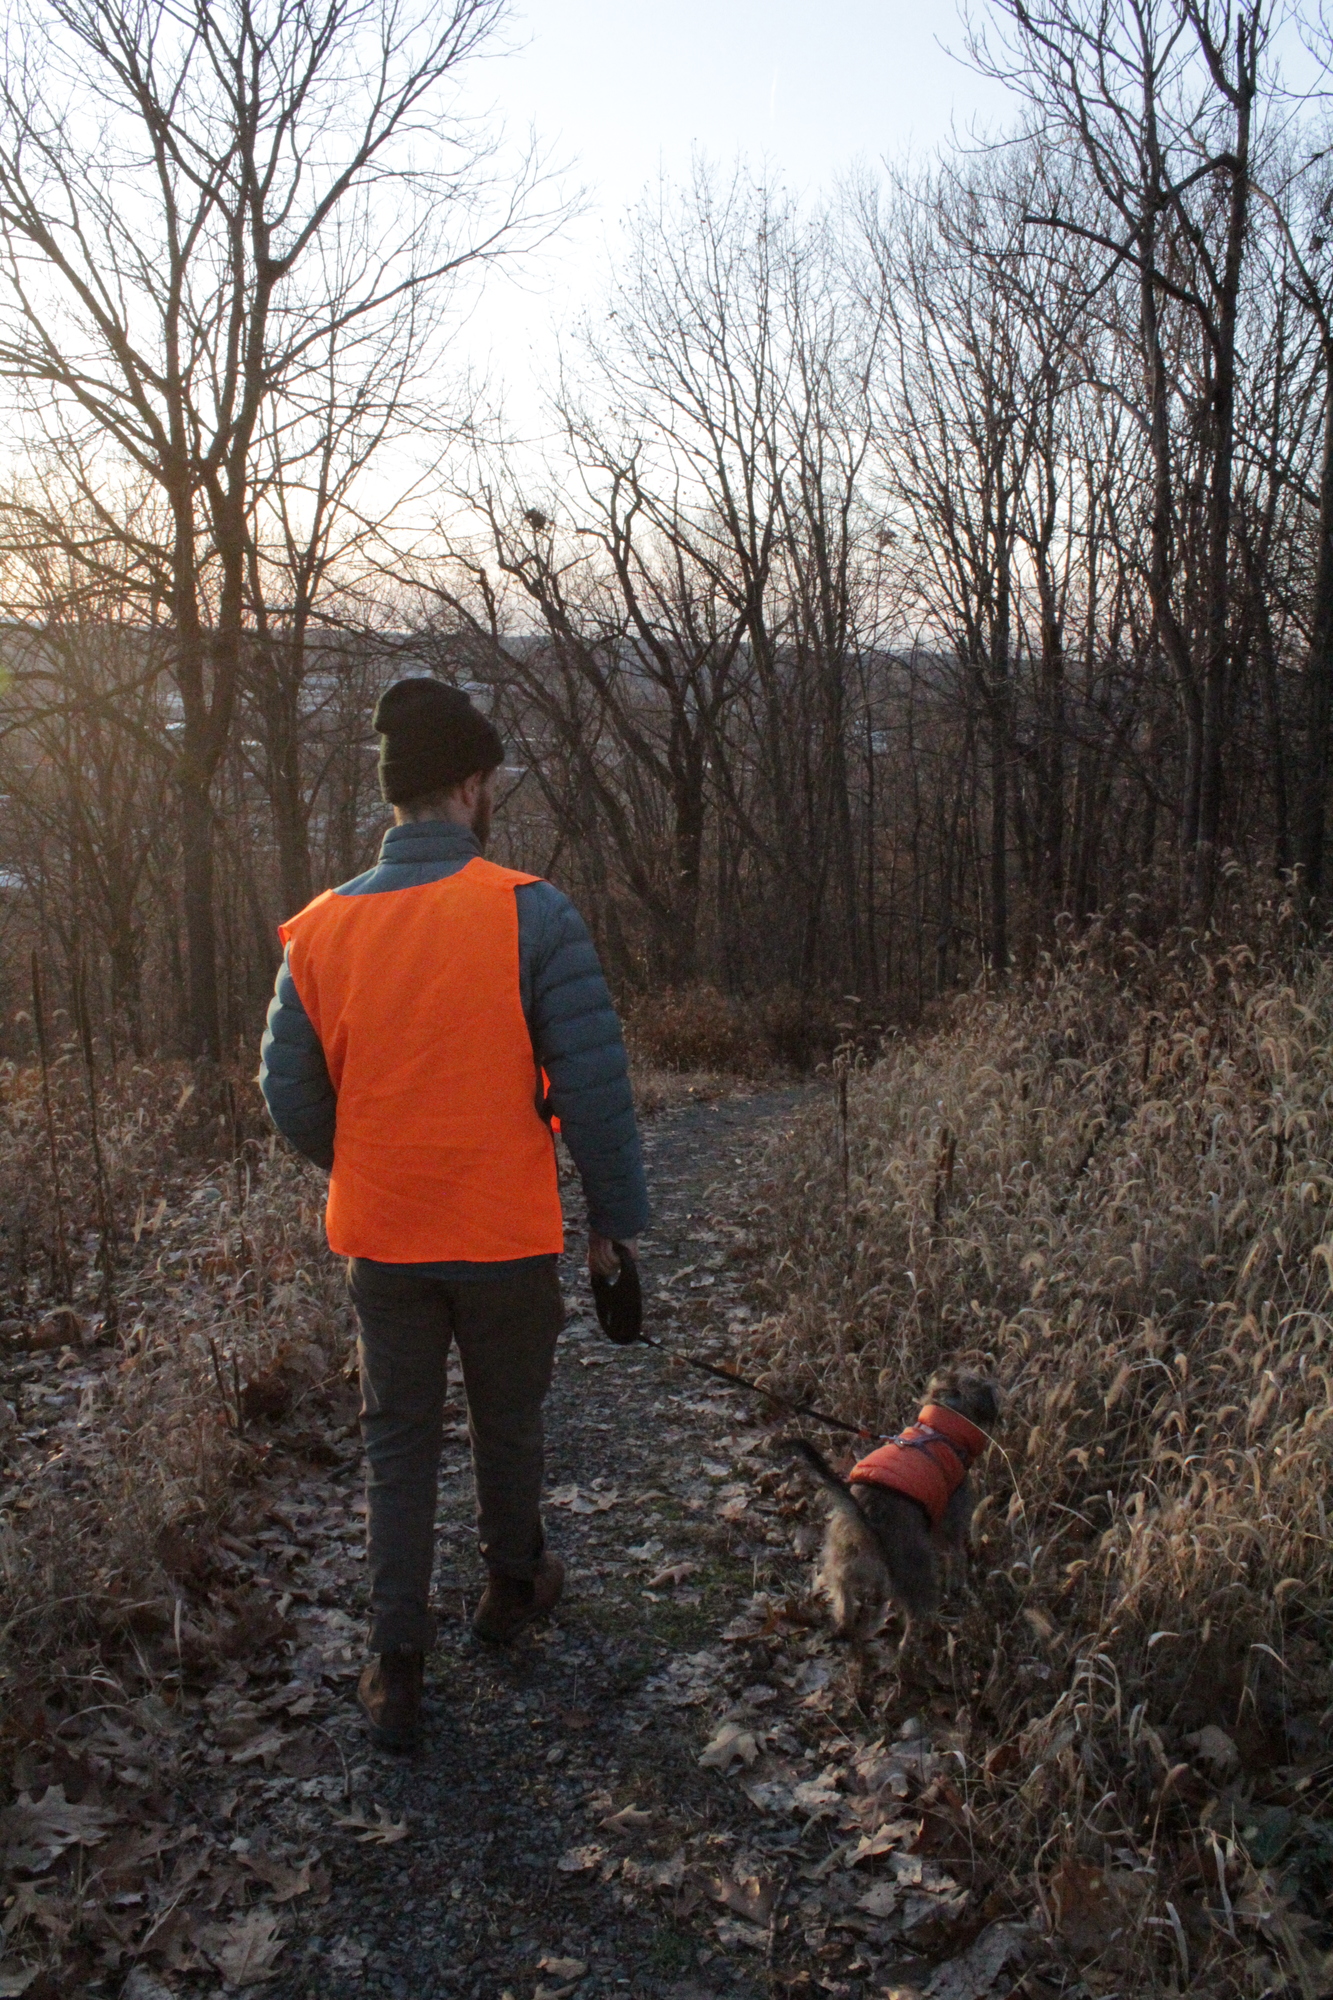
(619, 1300)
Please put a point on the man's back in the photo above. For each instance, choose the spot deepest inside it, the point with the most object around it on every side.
(571, 1024)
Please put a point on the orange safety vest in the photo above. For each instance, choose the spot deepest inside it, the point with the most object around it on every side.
(440, 1152)
(927, 1462)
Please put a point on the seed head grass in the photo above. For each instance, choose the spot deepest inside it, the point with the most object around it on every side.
(1113, 1190)
(113, 1492)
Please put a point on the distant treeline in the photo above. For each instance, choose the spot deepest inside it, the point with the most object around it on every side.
(910, 574)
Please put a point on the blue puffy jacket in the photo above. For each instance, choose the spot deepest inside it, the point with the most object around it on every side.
(576, 1036)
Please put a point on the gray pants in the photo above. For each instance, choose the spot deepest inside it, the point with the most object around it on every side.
(506, 1329)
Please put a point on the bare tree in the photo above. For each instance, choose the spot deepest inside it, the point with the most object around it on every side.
(85, 759)
(1156, 101)
(255, 193)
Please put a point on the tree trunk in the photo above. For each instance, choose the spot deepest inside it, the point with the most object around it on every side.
(998, 943)
(1319, 672)
(205, 1031)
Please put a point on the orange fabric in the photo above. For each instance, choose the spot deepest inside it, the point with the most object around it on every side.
(440, 1152)
(927, 1462)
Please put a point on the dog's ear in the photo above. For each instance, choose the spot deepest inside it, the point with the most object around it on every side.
(980, 1399)
(945, 1386)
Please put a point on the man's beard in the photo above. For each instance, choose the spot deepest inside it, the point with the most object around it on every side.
(481, 820)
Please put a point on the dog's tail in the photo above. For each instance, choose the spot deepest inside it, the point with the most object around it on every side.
(838, 1489)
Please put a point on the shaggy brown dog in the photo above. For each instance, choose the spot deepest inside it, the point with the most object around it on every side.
(889, 1519)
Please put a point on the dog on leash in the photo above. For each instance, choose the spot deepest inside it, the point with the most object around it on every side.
(900, 1505)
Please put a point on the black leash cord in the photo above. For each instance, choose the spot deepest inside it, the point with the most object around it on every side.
(740, 1382)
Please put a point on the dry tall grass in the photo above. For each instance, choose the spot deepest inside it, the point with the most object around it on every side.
(698, 1029)
(1115, 1190)
(227, 1311)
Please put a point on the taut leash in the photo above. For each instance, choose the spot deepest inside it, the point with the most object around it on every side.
(619, 1303)
(738, 1381)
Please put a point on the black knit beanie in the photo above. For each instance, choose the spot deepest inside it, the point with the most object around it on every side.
(433, 738)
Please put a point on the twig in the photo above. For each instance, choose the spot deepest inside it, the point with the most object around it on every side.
(240, 1197)
(107, 1252)
(222, 1387)
(347, 1775)
(944, 1165)
(60, 1258)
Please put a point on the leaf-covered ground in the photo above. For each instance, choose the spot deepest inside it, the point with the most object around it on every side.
(679, 1788)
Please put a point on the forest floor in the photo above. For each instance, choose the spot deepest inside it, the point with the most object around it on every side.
(678, 1788)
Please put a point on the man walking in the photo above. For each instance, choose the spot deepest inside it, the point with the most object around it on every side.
(430, 1018)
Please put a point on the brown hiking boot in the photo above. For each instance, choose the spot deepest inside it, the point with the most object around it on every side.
(508, 1603)
(389, 1694)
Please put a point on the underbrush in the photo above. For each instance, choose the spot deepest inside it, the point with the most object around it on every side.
(1114, 1190)
(699, 1029)
(138, 1404)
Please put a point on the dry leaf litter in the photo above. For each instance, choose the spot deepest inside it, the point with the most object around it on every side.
(681, 1787)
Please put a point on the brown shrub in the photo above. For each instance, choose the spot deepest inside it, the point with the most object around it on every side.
(222, 1289)
(1114, 1190)
(699, 1029)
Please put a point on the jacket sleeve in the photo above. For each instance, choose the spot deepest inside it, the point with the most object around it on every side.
(577, 1040)
(293, 1075)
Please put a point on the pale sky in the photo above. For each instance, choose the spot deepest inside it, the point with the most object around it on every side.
(621, 90)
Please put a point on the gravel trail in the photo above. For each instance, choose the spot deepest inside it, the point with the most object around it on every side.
(506, 1861)
(678, 1789)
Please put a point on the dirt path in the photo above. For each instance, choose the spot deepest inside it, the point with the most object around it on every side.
(678, 1789)
(507, 1860)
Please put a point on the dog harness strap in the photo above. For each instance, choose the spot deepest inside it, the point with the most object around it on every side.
(927, 1462)
(950, 1424)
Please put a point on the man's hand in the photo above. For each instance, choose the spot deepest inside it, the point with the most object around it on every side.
(602, 1259)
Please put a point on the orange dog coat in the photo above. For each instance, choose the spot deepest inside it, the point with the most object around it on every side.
(928, 1462)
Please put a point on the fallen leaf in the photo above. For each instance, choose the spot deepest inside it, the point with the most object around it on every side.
(630, 1819)
(28, 1906)
(885, 1840)
(382, 1831)
(1092, 1905)
(730, 1932)
(145, 1985)
(283, 1882)
(1214, 1746)
(934, 1906)
(266, 1746)
(771, 1795)
(731, 1745)
(974, 1972)
(818, 1796)
(750, 1898)
(579, 1502)
(673, 1573)
(578, 1860)
(881, 1899)
(562, 1968)
(657, 1875)
(244, 1950)
(35, 1832)
(17, 1980)
(268, 1397)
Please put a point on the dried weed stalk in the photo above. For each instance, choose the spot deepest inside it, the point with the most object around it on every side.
(1115, 1190)
(109, 1510)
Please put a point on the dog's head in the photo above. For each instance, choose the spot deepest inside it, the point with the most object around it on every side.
(971, 1395)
